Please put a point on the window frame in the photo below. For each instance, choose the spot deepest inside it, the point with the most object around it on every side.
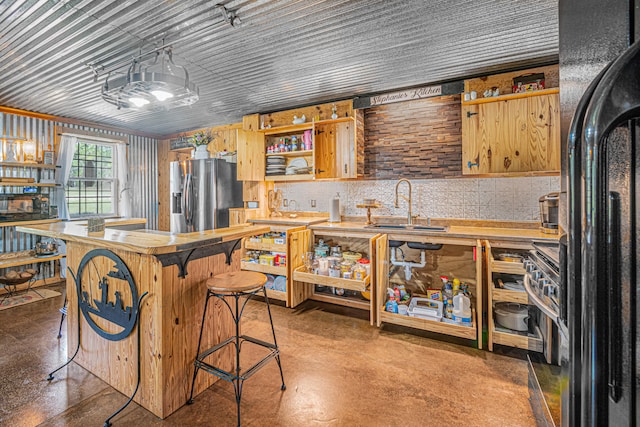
(113, 181)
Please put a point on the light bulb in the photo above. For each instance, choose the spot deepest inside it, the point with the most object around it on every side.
(138, 102)
(161, 95)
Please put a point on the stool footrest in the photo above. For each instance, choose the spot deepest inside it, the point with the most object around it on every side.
(230, 376)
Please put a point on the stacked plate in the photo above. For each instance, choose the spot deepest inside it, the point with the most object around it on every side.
(298, 166)
(276, 165)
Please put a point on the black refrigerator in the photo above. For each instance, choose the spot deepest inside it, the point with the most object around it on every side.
(600, 62)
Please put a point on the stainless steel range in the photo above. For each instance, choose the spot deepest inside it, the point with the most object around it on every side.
(545, 285)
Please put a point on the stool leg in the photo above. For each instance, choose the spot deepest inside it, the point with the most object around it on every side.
(275, 343)
(238, 382)
(195, 371)
(63, 312)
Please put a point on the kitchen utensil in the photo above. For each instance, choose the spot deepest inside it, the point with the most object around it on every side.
(306, 139)
(45, 248)
(275, 200)
(510, 257)
(425, 308)
(514, 286)
(549, 212)
(298, 163)
(512, 316)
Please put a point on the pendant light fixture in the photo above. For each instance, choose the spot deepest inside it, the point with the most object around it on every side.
(158, 85)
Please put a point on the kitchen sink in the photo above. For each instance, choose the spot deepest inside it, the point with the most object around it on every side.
(407, 227)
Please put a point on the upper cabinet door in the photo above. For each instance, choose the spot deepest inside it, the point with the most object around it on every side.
(251, 150)
(544, 132)
(511, 135)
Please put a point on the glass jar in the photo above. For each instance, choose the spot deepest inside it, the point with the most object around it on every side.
(364, 262)
(336, 251)
(334, 270)
(321, 249)
(345, 267)
(359, 272)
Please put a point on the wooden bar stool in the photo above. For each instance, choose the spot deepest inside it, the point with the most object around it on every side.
(236, 284)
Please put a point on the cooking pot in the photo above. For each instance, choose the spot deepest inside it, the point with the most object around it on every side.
(512, 316)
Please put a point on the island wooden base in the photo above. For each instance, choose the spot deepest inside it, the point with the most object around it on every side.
(170, 322)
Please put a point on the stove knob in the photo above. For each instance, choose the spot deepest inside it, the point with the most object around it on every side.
(529, 266)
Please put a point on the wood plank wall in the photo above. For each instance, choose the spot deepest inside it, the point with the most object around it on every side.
(418, 139)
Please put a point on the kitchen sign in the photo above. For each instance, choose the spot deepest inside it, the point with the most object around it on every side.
(409, 94)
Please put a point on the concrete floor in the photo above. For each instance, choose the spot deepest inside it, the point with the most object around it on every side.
(339, 371)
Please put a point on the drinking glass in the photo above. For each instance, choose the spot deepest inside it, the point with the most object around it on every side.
(308, 260)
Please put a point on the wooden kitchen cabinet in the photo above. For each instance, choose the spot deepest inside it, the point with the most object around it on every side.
(307, 285)
(512, 133)
(288, 248)
(333, 153)
(508, 269)
(457, 257)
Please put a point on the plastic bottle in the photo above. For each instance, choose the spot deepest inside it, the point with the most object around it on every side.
(456, 286)
(389, 306)
(461, 308)
(334, 212)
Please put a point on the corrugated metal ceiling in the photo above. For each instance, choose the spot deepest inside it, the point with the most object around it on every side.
(286, 53)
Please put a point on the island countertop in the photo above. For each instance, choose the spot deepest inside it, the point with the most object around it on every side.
(141, 241)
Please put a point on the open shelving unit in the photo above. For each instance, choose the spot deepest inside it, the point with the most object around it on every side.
(274, 270)
(307, 285)
(461, 257)
(533, 340)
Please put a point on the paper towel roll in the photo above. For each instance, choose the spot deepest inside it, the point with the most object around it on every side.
(334, 210)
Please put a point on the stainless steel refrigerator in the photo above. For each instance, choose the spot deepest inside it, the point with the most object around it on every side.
(202, 191)
(602, 179)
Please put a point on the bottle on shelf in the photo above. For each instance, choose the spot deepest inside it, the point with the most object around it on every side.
(461, 308)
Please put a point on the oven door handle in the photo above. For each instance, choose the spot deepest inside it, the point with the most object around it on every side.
(539, 303)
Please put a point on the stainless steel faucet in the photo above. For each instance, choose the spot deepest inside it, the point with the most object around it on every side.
(408, 199)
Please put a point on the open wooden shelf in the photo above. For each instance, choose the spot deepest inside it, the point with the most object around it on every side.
(53, 280)
(347, 301)
(299, 153)
(277, 295)
(263, 268)
(507, 267)
(301, 275)
(507, 295)
(27, 165)
(259, 246)
(25, 184)
(531, 342)
(27, 260)
(468, 332)
(509, 96)
(295, 177)
(29, 222)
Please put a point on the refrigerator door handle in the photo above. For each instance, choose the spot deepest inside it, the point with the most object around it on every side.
(187, 199)
(615, 298)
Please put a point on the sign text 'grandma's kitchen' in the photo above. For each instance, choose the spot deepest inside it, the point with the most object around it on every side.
(406, 95)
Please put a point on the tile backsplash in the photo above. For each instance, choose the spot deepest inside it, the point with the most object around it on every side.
(513, 199)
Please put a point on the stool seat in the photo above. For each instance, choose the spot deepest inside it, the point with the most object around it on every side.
(236, 281)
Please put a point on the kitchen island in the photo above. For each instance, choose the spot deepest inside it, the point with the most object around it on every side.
(172, 268)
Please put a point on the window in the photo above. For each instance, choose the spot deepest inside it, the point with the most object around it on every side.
(92, 186)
